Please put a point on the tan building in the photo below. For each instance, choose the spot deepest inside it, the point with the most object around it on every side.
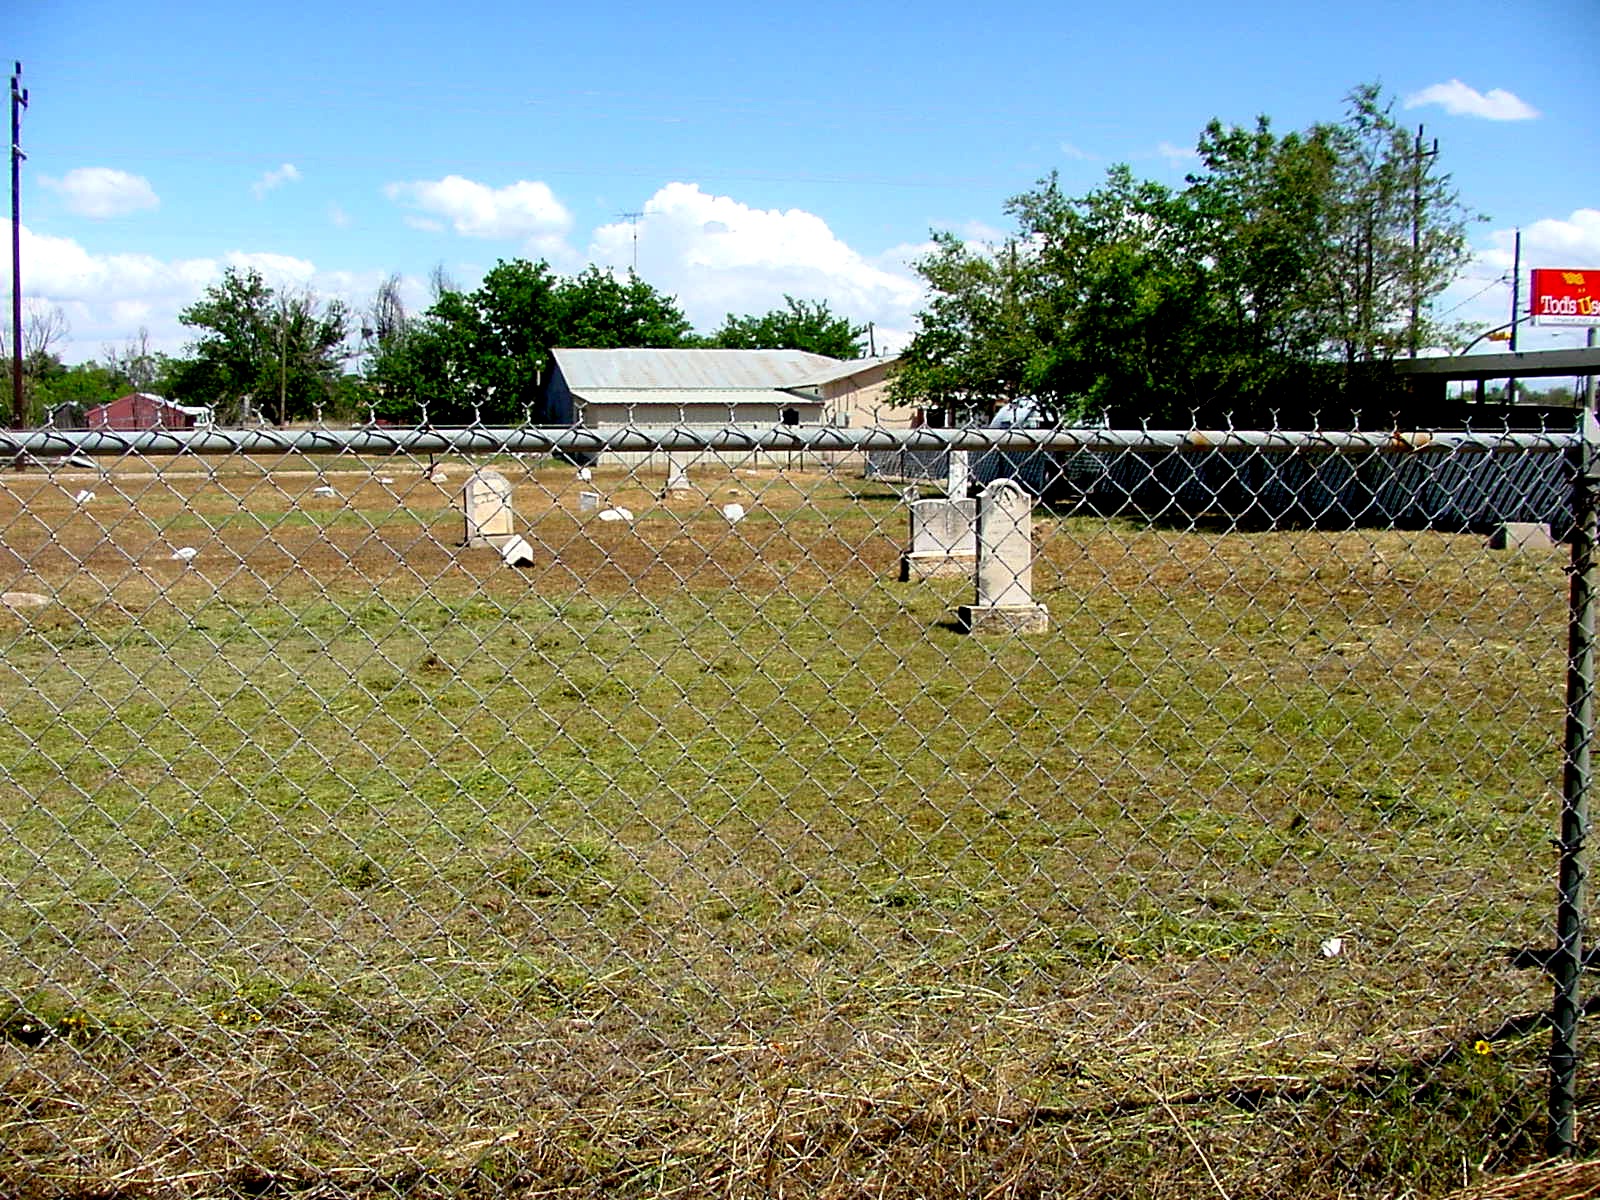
(609, 388)
(855, 395)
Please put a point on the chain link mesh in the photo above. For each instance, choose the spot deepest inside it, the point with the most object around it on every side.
(705, 855)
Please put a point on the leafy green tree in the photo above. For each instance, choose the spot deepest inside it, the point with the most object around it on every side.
(480, 355)
(85, 384)
(800, 325)
(280, 353)
(1281, 270)
(1395, 238)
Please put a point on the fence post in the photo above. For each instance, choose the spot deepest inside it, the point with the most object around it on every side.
(1567, 962)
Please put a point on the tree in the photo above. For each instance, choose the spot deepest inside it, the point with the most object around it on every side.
(1282, 268)
(1396, 234)
(44, 326)
(135, 363)
(278, 353)
(481, 355)
(801, 325)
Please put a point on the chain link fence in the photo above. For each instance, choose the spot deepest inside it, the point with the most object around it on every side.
(676, 838)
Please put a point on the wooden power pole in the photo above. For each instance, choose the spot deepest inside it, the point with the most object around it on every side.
(19, 101)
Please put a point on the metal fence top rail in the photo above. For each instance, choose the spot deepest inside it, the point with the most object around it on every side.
(481, 439)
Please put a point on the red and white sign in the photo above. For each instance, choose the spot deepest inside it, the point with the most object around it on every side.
(1566, 297)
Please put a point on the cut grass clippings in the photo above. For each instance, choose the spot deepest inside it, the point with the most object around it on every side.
(703, 857)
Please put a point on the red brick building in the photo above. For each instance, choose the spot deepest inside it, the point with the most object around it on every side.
(141, 410)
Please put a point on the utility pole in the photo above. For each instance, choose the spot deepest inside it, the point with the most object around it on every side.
(19, 101)
(1588, 387)
(1516, 305)
(1417, 174)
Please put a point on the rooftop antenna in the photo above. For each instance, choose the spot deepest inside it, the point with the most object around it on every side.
(633, 219)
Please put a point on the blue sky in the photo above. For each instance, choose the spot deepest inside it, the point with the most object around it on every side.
(771, 149)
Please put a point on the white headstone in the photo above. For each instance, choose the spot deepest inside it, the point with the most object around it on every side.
(944, 539)
(1520, 535)
(944, 527)
(588, 501)
(959, 477)
(487, 501)
(1005, 564)
(516, 552)
(1005, 546)
(677, 474)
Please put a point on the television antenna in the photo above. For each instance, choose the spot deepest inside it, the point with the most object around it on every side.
(633, 219)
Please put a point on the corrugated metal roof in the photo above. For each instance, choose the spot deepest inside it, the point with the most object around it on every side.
(701, 369)
(656, 398)
(844, 370)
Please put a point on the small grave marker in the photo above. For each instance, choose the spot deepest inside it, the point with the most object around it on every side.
(677, 475)
(516, 552)
(1521, 535)
(487, 501)
(1005, 601)
(944, 540)
(958, 479)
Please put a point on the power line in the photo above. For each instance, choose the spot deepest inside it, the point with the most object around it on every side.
(1499, 282)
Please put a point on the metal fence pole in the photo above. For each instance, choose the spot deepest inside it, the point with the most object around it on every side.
(1566, 964)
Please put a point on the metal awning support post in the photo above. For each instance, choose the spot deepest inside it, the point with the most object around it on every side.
(1566, 963)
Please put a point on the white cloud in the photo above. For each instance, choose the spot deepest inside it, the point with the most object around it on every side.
(1481, 299)
(337, 217)
(1072, 152)
(1459, 100)
(1176, 156)
(527, 211)
(108, 297)
(288, 173)
(279, 270)
(102, 192)
(1551, 242)
(718, 256)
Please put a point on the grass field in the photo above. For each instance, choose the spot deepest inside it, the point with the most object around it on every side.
(703, 857)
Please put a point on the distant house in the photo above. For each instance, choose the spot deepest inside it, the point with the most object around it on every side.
(69, 414)
(855, 395)
(142, 410)
(609, 388)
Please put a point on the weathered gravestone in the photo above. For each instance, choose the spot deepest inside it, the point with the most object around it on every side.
(677, 475)
(487, 503)
(1005, 601)
(944, 540)
(588, 502)
(1521, 535)
(958, 477)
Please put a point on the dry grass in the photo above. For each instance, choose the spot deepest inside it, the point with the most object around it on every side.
(703, 859)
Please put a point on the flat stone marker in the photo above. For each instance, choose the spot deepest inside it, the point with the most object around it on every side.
(944, 540)
(1521, 535)
(677, 475)
(1005, 565)
(487, 500)
(516, 552)
(959, 477)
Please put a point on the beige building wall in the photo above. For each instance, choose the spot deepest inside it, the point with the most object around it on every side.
(862, 401)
